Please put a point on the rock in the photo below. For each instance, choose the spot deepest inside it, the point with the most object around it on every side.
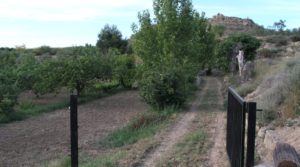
(247, 70)
(271, 138)
(234, 24)
(262, 131)
(289, 49)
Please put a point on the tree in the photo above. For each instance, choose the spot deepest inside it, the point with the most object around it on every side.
(172, 47)
(225, 49)
(74, 72)
(49, 77)
(124, 70)
(280, 25)
(111, 37)
(219, 30)
(8, 90)
(27, 70)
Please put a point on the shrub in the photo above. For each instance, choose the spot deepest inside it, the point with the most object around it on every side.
(265, 117)
(162, 89)
(246, 88)
(45, 49)
(267, 53)
(295, 38)
(278, 40)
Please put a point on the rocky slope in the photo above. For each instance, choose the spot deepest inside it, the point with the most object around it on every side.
(233, 24)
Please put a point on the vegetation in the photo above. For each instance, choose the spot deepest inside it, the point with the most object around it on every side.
(143, 126)
(45, 50)
(111, 38)
(80, 69)
(84, 161)
(278, 40)
(267, 53)
(219, 30)
(295, 38)
(224, 50)
(280, 25)
(172, 49)
(124, 70)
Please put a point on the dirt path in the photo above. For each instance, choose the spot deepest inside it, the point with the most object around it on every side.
(37, 140)
(218, 157)
(206, 105)
(169, 140)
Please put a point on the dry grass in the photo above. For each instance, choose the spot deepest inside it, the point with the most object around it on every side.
(279, 92)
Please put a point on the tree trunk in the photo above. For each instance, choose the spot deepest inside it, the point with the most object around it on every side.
(285, 156)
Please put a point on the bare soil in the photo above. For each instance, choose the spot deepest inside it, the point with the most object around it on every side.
(34, 141)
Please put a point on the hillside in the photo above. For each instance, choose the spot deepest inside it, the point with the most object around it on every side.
(233, 24)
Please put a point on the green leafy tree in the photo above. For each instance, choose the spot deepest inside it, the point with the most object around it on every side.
(8, 90)
(280, 25)
(45, 50)
(111, 37)
(225, 49)
(124, 70)
(219, 30)
(49, 77)
(74, 72)
(172, 45)
(27, 70)
(204, 45)
(8, 57)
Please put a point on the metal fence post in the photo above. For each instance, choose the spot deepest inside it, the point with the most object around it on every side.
(251, 134)
(74, 131)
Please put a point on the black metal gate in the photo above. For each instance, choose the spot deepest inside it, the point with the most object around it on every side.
(235, 139)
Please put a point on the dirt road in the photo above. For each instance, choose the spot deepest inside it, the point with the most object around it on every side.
(206, 107)
(37, 140)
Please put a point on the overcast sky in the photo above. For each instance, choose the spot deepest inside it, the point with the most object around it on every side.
(60, 23)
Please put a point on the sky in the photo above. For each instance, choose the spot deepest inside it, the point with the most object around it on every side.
(63, 23)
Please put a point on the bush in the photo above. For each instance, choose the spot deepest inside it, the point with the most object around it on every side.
(45, 49)
(295, 38)
(278, 40)
(265, 117)
(267, 53)
(162, 89)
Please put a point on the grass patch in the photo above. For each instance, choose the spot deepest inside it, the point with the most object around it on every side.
(280, 97)
(188, 151)
(193, 142)
(104, 161)
(210, 100)
(143, 126)
(246, 88)
(84, 161)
